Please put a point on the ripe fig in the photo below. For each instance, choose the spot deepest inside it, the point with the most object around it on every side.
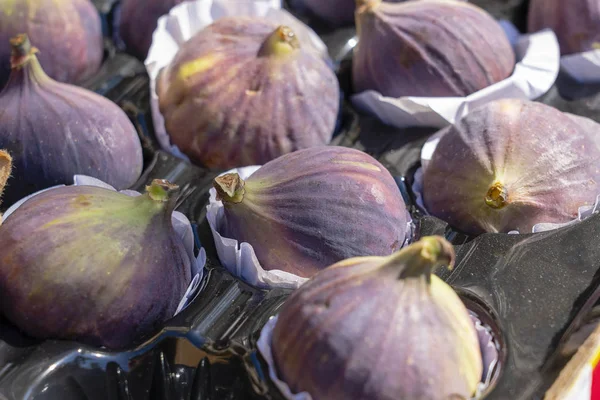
(576, 23)
(216, 93)
(138, 20)
(430, 48)
(306, 210)
(68, 34)
(509, 165)
(55, 130)
(114, 256)
(380, 328)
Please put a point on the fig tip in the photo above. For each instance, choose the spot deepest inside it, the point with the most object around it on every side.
(161, 190)
(282, 41)
(496, 196)
(230, 187)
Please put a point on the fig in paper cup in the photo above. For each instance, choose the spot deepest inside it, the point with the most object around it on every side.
(55, 130)
(309, 209)
(137, 22)
(380, 328)
(243, 91)
(68, 34)
(94, 265)
(575, 22)
(509, 165)
(428, 48)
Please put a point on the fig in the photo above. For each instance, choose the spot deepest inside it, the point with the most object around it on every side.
(116, 257)
(576, 23)
(430, 48)
(138, 21)
(380, 328)
(222, 83)
(509, 165)
(309, 209)
(68, 34)
(56, 130)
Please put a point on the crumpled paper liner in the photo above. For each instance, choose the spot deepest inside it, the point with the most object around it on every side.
(536, 71)
(489, 353)
(583, 212)
(181, 224)
(188, 18)
(240, 259)
(583, 67)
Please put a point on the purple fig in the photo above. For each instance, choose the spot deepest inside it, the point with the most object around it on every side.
(93, 265)
(509, 165)
(68, 34)
(309, 209)
(243, 91)
(575, 22)
(380, 328)
(431, 48)
(55, 130)
(138, 21)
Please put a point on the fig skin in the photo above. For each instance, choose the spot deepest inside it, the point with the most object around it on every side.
(379, 328)
(224, 81)
(576, 23)
(337, 12)
(138, 21)
(56, 130)
(67, 33)
(428, 48)
(92, 265)
(509, 165)
(309, 209)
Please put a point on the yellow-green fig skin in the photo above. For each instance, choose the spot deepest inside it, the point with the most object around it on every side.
(429, 48)
(68, 34)
(244, 91)
(509, 165)
(93, 265)
(311, 208)
(379, 328)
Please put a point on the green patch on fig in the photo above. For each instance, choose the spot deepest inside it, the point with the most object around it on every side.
(115, 257)
(509, 165)
(309, 209)
(380, 328)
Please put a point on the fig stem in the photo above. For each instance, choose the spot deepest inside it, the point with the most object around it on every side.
(497, 196)
(22, 51)
(422, 258)
(5, 170)
(281, 42)
(230, 188)
(161, 190)
(363, 6)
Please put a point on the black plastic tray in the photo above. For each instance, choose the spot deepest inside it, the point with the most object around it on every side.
(533, 290)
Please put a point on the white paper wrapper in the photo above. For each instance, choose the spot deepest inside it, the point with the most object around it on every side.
(488, 350)
(181, 224)
(188, 18)
(240, 259)
(584, 67)
(536, 70)
(417, 188)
